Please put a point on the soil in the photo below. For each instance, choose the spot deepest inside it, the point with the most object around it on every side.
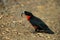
(15, 27)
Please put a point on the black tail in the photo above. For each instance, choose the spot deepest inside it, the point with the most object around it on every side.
(43, 26)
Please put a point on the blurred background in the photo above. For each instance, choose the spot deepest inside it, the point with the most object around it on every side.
(15, 27)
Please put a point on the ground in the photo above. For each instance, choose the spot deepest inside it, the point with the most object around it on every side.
(15, 27)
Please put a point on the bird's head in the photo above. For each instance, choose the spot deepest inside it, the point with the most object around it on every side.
(27, 13)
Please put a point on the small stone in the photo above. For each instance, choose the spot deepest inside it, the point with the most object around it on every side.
(14, 21)
(40, 34)
(54, 38)
(22, 5)
(3, 33)
(16, 32)
(2, 26)
(48, 37)
(19, 33)
(1, 16)
(7, 38)
(20, 21)
(7, 29)
(40, 7)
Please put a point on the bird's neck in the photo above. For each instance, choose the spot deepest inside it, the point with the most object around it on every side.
(28, 17)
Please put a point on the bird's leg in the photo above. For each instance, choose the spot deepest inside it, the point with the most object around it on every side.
(36, 30)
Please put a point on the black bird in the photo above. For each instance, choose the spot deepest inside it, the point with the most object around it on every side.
(37, 23)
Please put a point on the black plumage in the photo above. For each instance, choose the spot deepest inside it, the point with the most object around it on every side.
(37, 22)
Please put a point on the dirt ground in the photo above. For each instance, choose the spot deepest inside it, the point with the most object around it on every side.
(15, 27)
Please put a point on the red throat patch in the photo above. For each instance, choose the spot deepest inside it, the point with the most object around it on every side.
(28, 17)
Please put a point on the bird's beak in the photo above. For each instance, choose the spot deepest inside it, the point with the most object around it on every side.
(22, 13)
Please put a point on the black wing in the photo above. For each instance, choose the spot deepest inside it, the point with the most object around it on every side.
(38, 22)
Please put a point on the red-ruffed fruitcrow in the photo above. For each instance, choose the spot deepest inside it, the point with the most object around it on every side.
(37, 23)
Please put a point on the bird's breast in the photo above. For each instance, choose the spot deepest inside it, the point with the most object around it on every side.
(28, 17)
